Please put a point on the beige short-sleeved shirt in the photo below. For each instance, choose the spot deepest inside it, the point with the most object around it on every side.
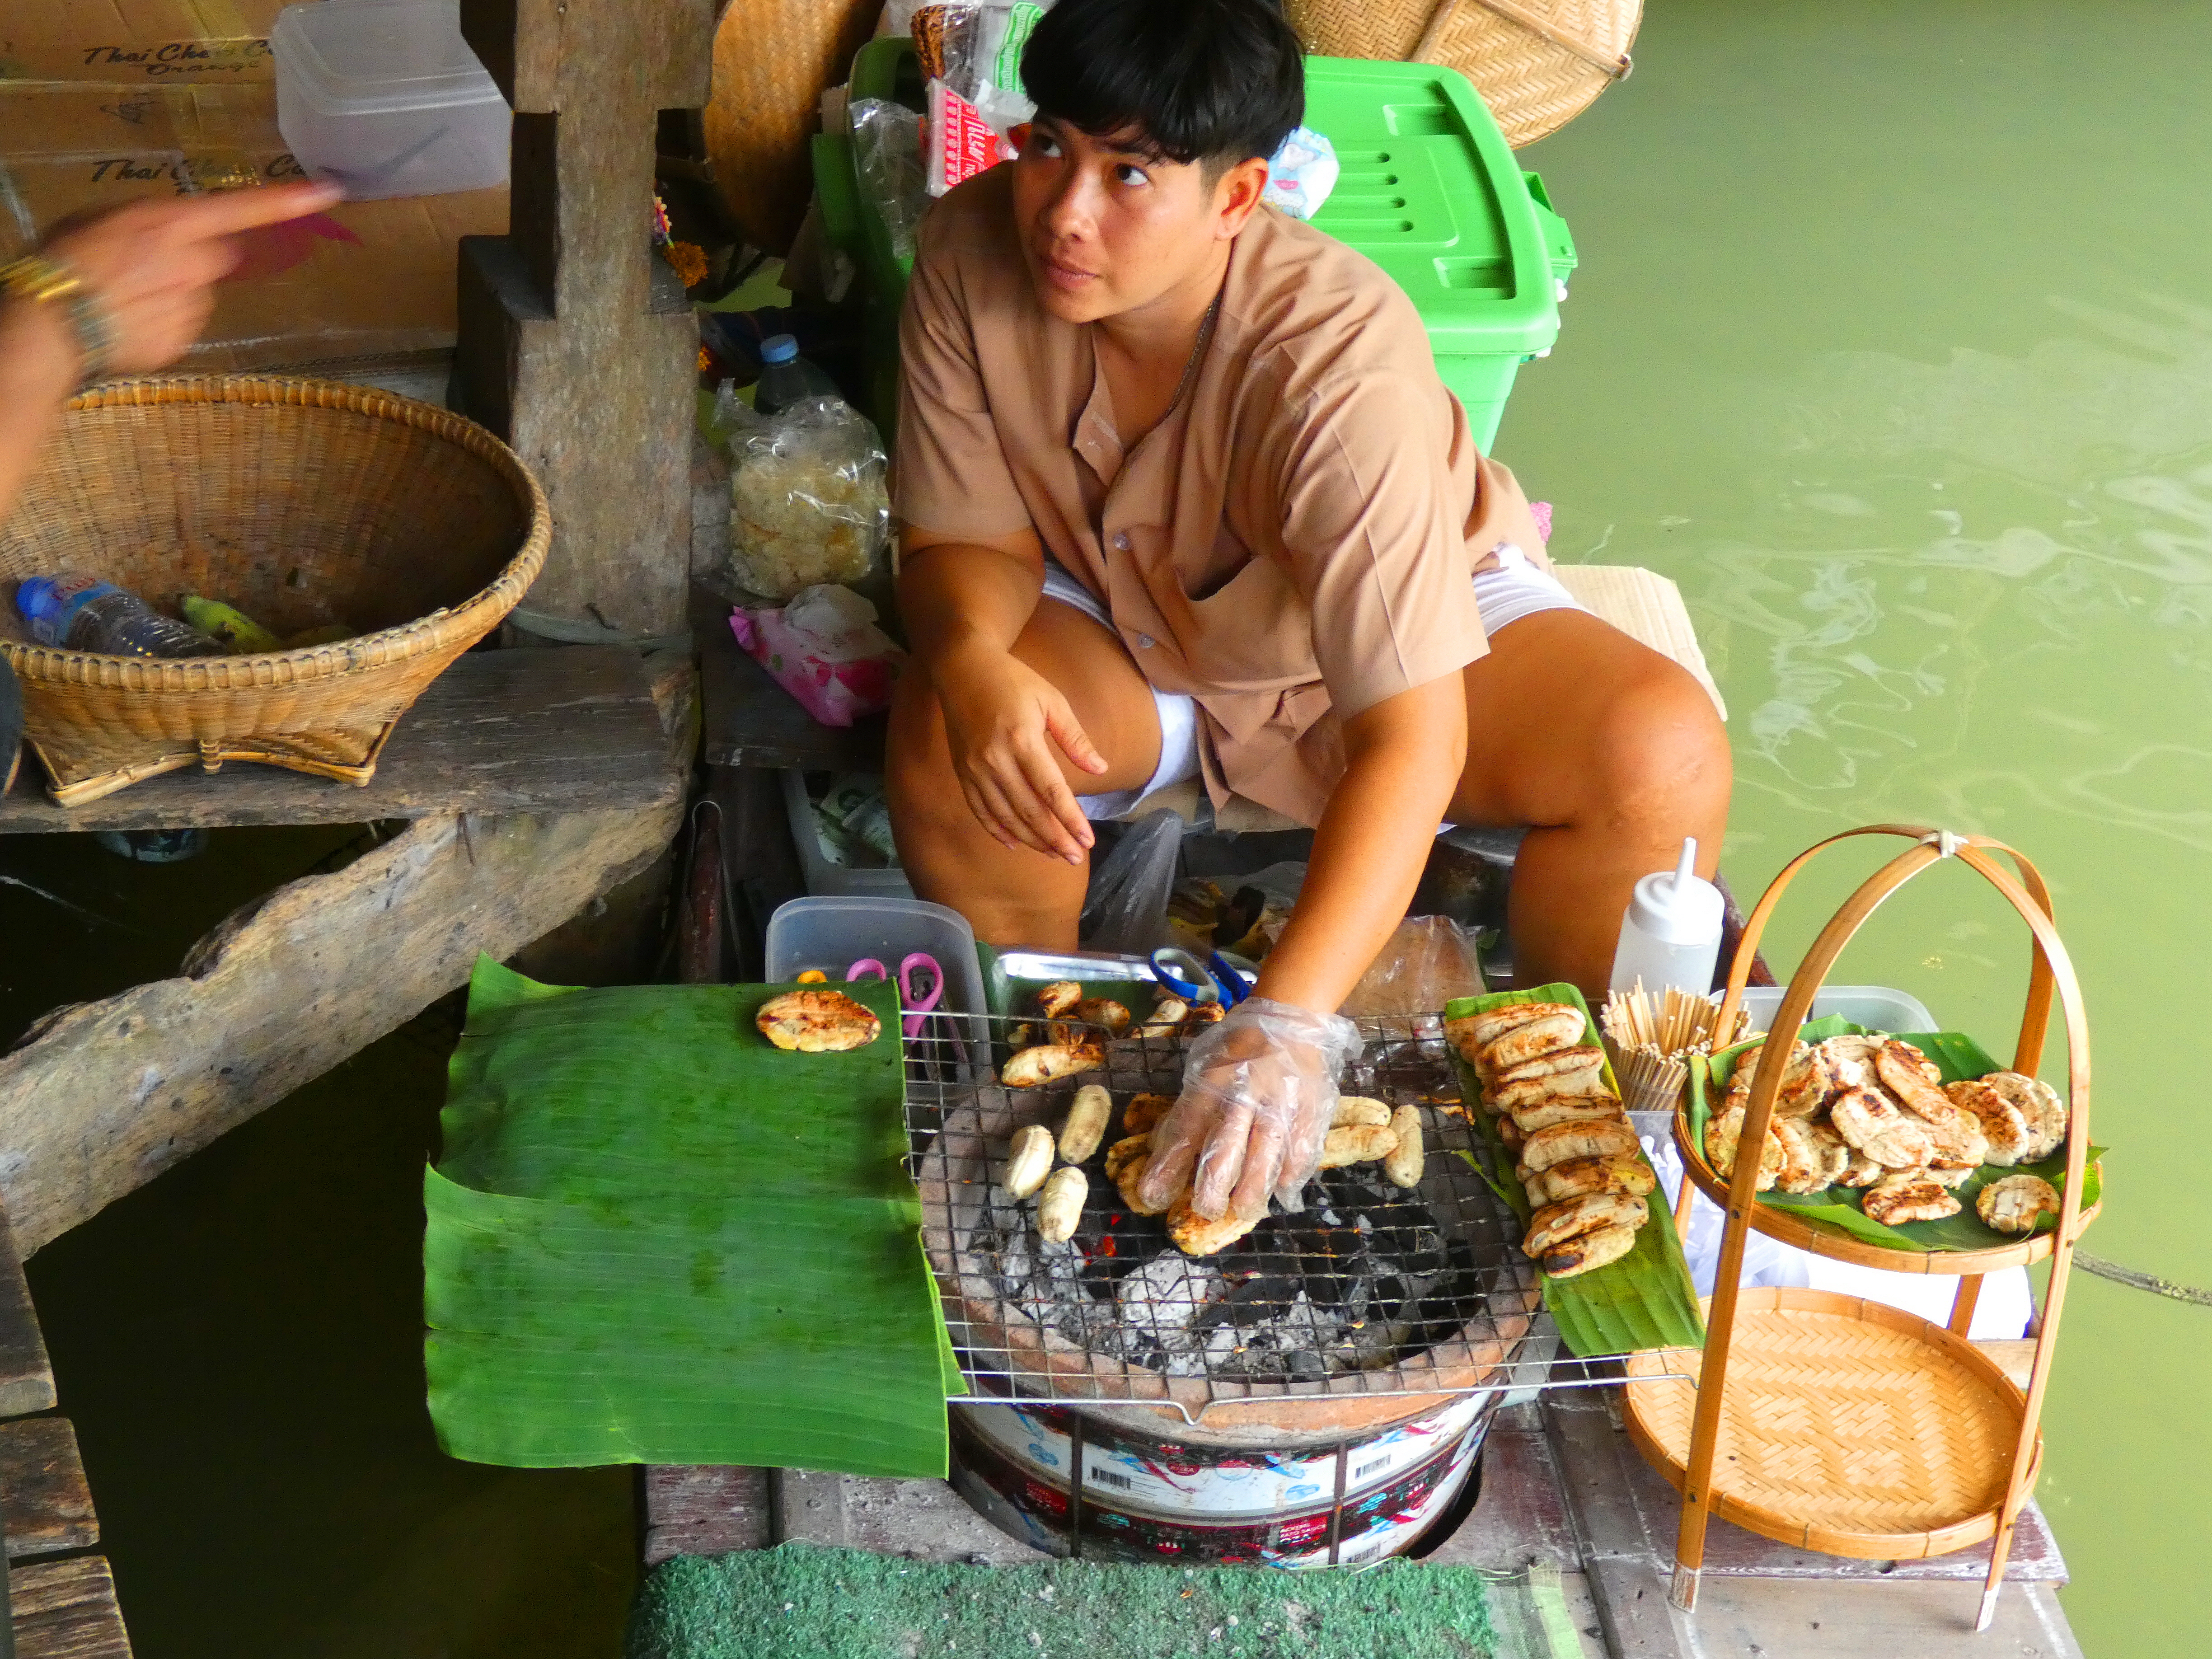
(1292, 545)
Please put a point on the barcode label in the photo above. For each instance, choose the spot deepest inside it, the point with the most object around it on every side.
(1366, 1469)
(1109, 1478)
(1370, 1545)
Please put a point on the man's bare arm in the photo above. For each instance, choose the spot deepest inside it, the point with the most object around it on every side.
(965, 603)
(1404, 759)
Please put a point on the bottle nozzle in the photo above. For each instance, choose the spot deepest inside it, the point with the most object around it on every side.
(1686, 868)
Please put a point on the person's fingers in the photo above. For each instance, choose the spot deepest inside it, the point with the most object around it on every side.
(1065, 824)
(1175, 1140)
(1003, 813)
(1221, 1160)
(226, 212)
(974, 797)
(1263, 1162)
(1067, 732)
(1041, 828)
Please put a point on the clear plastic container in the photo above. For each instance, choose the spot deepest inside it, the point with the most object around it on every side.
(384, 98)
(831, 934)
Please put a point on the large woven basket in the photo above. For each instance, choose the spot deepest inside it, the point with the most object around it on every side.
(772, 60)
(306, 504)
(1848, 1427)
(1538, 63)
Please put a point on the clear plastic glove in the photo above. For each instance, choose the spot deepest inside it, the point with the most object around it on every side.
(1259, 1089)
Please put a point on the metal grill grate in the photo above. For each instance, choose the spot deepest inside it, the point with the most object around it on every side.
(1372, 1291)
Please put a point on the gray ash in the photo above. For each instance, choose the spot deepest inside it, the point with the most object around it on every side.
(1362, 1278)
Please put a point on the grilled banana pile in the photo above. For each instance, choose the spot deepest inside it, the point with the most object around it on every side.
(1069, 1037)
(1362, 1131)
(1872, 1112)
(1578, 1158)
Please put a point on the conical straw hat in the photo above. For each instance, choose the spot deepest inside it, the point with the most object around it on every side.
(1538, 63)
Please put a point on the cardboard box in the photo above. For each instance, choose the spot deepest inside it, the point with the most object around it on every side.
(378, 280)
(138, 42)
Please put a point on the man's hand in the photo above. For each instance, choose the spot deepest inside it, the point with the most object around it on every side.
(1006, 726)
(151, 267)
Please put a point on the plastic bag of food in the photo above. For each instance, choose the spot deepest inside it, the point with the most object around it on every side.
(887, 142)
(1429, 961)
(1125, 911)
(825, 649)
(1258, 1091)
(808, 503)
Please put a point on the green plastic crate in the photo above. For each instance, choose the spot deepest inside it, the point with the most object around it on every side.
(1429, 192)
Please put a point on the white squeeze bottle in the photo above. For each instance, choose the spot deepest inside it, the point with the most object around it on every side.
(1670, 933)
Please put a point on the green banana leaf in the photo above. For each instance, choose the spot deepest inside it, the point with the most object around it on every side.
(1958, 1057)
(1645, 1300)
(655, 1239)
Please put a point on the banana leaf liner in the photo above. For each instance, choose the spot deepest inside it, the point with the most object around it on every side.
(1645, 1300)
(1959, 1057)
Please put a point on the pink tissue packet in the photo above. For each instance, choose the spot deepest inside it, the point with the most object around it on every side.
(825, 649)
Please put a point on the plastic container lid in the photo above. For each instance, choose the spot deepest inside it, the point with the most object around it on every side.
(366, 57)
(779, 349)
(1430, 191)
(1675, 907)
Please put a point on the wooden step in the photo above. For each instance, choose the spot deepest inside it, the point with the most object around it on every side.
(67, 1610)
(45, 1501)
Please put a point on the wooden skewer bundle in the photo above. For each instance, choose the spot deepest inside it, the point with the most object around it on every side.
(1650, 1038)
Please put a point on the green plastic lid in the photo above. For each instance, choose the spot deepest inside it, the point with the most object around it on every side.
(1430, 192)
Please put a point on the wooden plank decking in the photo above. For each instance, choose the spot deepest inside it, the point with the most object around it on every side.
(565, 729)
(62, 1598)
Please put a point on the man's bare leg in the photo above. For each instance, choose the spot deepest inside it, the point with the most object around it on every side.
(1016, 896)
(1612, 753)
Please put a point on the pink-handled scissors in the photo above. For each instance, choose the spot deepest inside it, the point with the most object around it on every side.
(917, 999)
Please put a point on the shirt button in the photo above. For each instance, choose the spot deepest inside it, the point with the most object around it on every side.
(1121, 543)
(1144, 642)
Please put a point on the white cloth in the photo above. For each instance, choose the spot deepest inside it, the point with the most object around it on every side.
(1517, 588)
(2005, 1306)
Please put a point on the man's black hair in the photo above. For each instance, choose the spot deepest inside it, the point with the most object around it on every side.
(1211, 80)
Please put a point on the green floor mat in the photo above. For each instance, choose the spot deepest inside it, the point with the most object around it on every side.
(653, 1238)
(801, 1601)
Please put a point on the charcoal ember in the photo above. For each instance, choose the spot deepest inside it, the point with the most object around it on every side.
(1359, 1278)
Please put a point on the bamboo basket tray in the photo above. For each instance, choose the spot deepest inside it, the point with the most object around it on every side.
(304, 503)
(1848, 1427)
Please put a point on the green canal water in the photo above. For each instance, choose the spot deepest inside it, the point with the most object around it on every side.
(1894, 347)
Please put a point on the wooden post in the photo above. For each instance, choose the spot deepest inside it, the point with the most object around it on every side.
(576, 341)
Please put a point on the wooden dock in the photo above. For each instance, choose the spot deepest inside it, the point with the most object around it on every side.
(60, 1591)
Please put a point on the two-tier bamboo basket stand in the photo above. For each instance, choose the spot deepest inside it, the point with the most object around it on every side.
(1856, 1428)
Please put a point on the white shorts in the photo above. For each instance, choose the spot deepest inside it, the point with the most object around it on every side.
(1515, 589)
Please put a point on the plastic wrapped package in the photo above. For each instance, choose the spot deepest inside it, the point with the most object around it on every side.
(1429, 961)
(971, 54)
(1126, 910)
(887, 143)
(1259, 1089)
(808, 503)
(825, 649)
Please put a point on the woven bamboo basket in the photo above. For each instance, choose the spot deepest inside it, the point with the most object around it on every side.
(1842, 1426)
(772, 60)
(1538, 63)
(304, 503)
(1850, 1427)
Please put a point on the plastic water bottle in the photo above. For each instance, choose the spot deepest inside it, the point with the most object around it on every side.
(787, 377)
(1670, 933)
(82, 613)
